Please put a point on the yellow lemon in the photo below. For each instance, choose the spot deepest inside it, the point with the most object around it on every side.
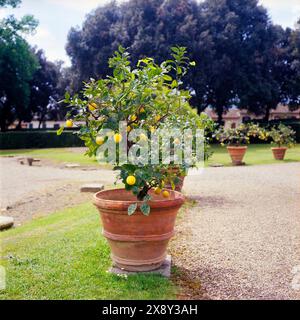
(92, 106)
(142, 110)
(152, 129)
(166, 194)
(157, 190)
(69, 123)
(143, 137)
(99, 140)
(157, 118)
(128, 129)
(131, 180)
(117, 138)
(133, 118)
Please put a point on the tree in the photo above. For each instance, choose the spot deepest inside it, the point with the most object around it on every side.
(91, 47)
(44, 92)
(239, 41)
(17, 66)
(145, 27)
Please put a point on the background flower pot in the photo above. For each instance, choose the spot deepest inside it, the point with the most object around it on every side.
(237, 154)
(137, 242)
(279, 152)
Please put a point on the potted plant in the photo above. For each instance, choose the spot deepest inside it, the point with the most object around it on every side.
(237, 139)
(138, 221)
(284, 137)
(189, 119)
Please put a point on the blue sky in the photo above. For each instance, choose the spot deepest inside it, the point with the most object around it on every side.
(56, 17)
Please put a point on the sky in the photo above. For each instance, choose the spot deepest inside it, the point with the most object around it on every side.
(56, 17)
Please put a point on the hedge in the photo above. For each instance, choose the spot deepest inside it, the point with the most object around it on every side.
(36, 139)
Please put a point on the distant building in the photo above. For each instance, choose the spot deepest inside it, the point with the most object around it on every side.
(234, 117)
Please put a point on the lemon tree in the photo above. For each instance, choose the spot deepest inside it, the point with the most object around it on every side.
(146, 96)
(240, 135)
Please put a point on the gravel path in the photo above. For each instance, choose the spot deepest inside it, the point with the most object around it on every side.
(30, 192)
(19, 181)
(242, 239)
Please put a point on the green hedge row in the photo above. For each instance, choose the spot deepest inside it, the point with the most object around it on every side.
(38, 139)
(32, 139)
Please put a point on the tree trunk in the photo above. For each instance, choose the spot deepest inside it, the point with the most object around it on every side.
(19, 127)
(220, 111)
(267, 114)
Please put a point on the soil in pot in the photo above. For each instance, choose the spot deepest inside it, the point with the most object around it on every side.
(237, 154)
(137, 242)
(279, 153)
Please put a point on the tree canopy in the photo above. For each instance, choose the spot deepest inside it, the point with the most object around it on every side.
(17, 66)
(241, 56)
(28, 82)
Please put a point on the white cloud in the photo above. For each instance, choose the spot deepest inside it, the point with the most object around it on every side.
(284, 12)
(43, 38)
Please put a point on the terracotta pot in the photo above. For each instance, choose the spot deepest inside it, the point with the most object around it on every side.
(279, 152)
(137, 242)
(237, 154)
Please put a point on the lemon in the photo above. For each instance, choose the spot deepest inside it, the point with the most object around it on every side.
(131, 180)
(133, 118)
(117, 138)
(69, 123)
(92, 106)
(128, 129)
(152, 129)
(162, 184)
(143, 137)
(157, 118)
(157, 190)
(166, 194)
(99, 140)
(142, 110)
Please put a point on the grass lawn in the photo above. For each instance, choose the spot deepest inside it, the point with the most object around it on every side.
(58, 155)
(64, 256)
(256, 154)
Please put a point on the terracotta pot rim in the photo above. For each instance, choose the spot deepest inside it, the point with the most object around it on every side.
(237, 147)
(176, 199)
(279, 148)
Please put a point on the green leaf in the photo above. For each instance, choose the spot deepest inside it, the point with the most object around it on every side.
(167, 78)
(132, 208)
(60, 130)
(67, 96)
(174, 84)
(135, 190)
(147, 197)
(172, 184)
(145, 208)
